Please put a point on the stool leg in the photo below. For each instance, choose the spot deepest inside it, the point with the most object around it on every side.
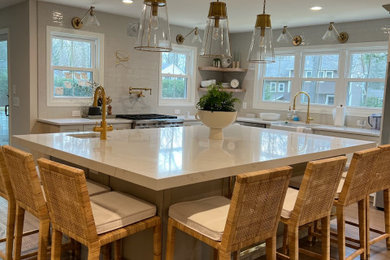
(386, 200)
(56, 245)
(368, 226)
(222, 255)
(118, 249)
(340, 231)
(325, 230)
(293, 242)
(362, 227)
(44, 226)
(107, 252)
(271, 248)
(93, 253)
(285, 239)
(157, 242)
(170, 241)
(10, 228)
(18, 232)
(235, 255)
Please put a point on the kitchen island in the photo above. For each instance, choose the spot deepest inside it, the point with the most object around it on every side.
(168, 165)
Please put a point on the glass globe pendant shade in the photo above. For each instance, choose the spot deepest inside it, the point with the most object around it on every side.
(283, 37)
(154, 33)
(216, 42)
(330, 34)
(196, 38)
(91, 19)
(261, 49)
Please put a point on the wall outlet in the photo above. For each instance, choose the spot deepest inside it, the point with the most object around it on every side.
(244, 105)
(76, 113)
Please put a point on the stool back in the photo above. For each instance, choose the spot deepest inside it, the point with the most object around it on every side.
(381, 180)
(318, 189)
(68, 200)
(25, 181)
(360, 176)
(255, 207)
(5, 182)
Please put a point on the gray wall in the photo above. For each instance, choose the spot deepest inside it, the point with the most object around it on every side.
(141, 71)
(16, 19)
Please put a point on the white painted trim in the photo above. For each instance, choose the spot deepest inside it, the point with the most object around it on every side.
(98, 64)
(6, 31)
(344, 50)
(191, 76)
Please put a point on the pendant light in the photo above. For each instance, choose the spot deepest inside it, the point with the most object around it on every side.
(216, 41)
(262, 49)
(154, 33)
(89, 19)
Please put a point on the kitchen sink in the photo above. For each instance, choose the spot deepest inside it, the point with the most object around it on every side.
(85, 136)
(293, 127)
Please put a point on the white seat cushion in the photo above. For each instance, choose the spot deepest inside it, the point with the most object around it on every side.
(95, 188)
(289, 202)
(206, 216)
(113, 210)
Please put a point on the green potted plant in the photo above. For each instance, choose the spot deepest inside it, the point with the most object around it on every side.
(217, 110)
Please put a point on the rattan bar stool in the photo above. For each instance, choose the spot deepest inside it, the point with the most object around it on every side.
(7, 193)
(381, 182)
(250, 217)
(313, 201)
(28, 196)
(94, 221)
(355, 189)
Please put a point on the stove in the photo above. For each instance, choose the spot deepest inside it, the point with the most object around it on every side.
(152, 120)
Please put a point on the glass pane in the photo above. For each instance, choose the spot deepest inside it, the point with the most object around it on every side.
(320, 92)
(368, 65)
(174, 88)
(276, 90)
(71, 53)
(365, 94)
(282, 67)
(72, 83)
(3, 74)
(174, 63)
(321, 66)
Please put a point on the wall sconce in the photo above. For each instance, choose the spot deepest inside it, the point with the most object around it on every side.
(196, 39)
(89, 18)
(332, 34)
(286, 37)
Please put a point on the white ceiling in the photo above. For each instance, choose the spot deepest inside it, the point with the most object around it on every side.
(242, 13)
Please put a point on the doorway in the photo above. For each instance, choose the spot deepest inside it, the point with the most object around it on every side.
(4, 72)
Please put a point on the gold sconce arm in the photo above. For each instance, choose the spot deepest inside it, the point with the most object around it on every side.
(180, 38)
(139, 92)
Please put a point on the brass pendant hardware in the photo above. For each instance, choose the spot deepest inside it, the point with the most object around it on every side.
(77, 23)
(217, 10)
(343, 37)
(263, 21)
(159, 3)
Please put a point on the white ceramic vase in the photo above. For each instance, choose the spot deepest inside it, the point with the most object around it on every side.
(216, 120)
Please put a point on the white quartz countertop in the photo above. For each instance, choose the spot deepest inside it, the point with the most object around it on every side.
(82, 121)
(164, 158)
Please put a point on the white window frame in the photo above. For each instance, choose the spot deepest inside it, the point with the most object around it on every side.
(97, 63)
(367, 110)
(191, 53)
(258, 101)
(296, 84)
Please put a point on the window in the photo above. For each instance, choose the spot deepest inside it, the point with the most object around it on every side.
(324, 69)
(177, 76)
(350, 74)
(74, 61)
(277, 76)
(366, 82)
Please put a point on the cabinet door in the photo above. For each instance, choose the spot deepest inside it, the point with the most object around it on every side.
(71, 128)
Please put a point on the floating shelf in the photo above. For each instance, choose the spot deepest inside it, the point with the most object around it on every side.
(223, 69)
(234, 90)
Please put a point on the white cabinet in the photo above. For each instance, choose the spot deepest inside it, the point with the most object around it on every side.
(347, 135)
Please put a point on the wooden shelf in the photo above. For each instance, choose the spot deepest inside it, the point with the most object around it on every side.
(234, 90)
(223, 69)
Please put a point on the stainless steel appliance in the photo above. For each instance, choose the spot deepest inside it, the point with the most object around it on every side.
(152, 120)
(375, 121)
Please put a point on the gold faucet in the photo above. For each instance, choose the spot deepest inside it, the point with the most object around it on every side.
(103, 128)
(308, 118)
